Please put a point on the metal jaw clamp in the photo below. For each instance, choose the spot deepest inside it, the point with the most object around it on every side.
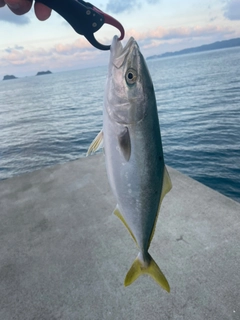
(84, 18)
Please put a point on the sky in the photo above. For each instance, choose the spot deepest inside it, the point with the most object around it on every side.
(28, 45)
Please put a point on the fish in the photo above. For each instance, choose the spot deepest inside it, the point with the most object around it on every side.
(134, 159)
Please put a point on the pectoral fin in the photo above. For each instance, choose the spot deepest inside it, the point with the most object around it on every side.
(96, 144)
(125, 143)
(119, 215)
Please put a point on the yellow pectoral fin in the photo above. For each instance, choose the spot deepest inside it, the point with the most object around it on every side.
(96, 144)
(166, 187)
(119, 215)
(138, 268)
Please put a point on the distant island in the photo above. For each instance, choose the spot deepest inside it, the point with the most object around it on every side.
(207, 47)
(40, 73)
(9, 77)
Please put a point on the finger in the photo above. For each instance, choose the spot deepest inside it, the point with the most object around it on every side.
(19, 6)
(2, 3)
(42, 12)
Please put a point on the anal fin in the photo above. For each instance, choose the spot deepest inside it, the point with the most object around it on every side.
(120, 216)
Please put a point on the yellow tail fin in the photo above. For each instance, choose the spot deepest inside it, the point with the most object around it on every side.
(139, 267)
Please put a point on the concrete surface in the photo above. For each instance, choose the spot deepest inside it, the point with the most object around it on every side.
(63, 255)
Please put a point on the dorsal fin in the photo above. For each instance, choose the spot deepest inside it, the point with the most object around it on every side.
(166, 187)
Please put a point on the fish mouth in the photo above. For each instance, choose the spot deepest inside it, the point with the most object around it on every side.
(119, 53)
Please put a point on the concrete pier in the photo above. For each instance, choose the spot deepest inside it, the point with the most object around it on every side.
(63, 255)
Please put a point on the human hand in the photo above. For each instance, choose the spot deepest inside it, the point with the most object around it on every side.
(23, 6)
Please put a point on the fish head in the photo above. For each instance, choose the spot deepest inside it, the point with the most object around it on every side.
(129, 84)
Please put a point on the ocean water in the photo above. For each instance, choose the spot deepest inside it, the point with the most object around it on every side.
(52, 119)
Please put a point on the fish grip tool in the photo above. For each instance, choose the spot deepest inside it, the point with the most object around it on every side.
(85, 18)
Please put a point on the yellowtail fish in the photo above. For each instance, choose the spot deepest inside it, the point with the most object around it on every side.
(133, 152)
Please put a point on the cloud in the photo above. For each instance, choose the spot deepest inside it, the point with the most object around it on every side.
(153, 1)
(80, 54)
(159, 34)
(80, 49)
(73, 47)
(118, 6)
(7, 15)
(232, 10)
(58, 57)
(213, 19)
(16, 47)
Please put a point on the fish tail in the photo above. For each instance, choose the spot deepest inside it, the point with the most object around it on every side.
(150, 267)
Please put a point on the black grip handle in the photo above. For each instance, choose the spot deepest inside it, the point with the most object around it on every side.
(81, 16)
(78, 14)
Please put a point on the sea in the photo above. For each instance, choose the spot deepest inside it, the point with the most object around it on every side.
(52, 119)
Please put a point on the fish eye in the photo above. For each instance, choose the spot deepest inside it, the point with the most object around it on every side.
(131, 76)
